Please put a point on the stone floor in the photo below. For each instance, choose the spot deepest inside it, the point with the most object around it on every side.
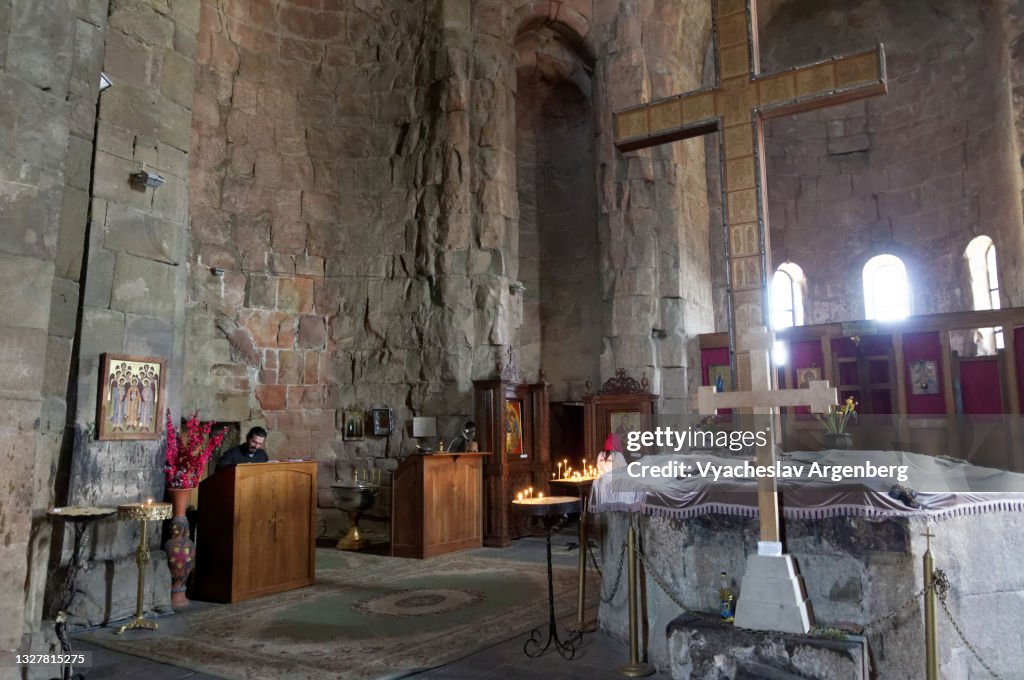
(597, 658)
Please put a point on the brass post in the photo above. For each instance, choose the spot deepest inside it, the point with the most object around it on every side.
(581, 624)
(635, 668)
(930, 631)
(141, 560)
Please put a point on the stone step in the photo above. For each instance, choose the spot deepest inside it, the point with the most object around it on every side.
(708, 649)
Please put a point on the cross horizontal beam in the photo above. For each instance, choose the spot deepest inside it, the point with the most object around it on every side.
(831, 81)
(817, 395)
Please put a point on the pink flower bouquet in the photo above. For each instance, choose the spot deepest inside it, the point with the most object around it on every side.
(188, 451)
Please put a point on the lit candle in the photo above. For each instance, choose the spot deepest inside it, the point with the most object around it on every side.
(540, 496)
(149, 501)
(553, 476)
(559, 469)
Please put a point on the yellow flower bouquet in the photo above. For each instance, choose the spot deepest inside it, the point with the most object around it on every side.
(835, 421)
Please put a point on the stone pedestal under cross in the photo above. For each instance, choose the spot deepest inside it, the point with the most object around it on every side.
(772, 594)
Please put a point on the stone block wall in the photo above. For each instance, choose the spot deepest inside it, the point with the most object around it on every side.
(355, 179)
(653, 203)
(556, 188)
(310, 180)
(49, 76)
(917, 172)
(132, 268)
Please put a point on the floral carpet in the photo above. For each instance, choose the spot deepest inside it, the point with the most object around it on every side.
(366, 618)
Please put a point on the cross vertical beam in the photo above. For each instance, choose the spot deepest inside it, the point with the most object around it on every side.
(737, 106)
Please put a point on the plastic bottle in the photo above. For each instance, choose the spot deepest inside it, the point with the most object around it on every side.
(726, 599)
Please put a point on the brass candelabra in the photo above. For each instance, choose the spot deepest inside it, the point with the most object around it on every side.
(144, 513)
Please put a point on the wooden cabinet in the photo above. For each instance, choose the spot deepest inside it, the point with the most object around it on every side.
(256, 531)
(437, 504)
(623, 404)
(512, 423)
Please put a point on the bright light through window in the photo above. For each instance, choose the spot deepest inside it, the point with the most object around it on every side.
(981, 264)
(787, 296)
(780, 353)
(886, 291)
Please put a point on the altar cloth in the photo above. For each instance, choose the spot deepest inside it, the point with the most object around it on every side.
(941, 488)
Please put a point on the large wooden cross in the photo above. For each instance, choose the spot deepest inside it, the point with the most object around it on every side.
(738, 106)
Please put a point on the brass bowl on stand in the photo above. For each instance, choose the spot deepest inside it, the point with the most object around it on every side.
(354, 499)
(144, 513)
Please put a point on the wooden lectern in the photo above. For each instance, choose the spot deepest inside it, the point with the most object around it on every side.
(256, 531)
(437, 504)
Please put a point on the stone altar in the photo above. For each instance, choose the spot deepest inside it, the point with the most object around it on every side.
(855, 568)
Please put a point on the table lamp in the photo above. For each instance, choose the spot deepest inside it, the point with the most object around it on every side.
(424, 428)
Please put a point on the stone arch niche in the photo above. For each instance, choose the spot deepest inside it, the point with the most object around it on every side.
(558, 258)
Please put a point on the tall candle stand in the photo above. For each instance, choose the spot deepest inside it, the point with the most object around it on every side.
(549, 510)
(144, 513)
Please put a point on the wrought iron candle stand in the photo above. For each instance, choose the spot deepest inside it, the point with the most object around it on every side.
(80, 517)
(550, 510)
(144, 513)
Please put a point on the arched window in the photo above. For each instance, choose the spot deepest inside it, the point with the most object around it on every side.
(787, 302)
(981, 263)
(886, 289)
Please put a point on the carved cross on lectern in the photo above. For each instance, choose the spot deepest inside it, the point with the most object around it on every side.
(737, 106)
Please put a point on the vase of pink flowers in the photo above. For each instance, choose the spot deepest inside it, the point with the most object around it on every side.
(188, 451)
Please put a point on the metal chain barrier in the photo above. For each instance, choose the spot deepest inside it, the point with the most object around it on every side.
(909, 604)
(618, 575)
(941, 584)
(656, 577)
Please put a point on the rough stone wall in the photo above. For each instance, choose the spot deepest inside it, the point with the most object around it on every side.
(355, 177)
(49, 75)
(328, 185)
(1011, 271)
(653, 203)
(133, 277)
(918, 172)
(557, 195)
